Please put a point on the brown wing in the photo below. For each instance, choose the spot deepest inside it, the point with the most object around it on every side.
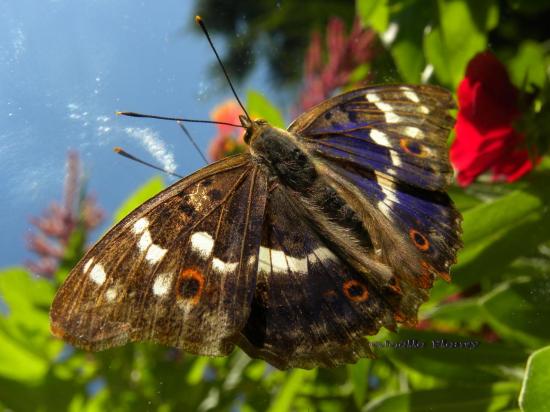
(310, 308)
(383, 149)
(179, 270)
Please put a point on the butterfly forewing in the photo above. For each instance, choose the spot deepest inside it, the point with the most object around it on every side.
(179, 270)
(398, 130)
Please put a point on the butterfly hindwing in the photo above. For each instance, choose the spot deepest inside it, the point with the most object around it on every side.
(179, 270)
(310, 307)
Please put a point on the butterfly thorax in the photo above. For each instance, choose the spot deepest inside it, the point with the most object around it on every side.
(279, 152)
(289, 164)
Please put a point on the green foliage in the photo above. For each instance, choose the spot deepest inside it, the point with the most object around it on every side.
(534, 392)
(374, 13)
(260, 107)
(480, 337)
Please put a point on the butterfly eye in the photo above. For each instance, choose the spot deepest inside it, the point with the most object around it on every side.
(355, 291)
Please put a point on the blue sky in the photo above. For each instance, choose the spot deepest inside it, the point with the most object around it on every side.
(65, 68)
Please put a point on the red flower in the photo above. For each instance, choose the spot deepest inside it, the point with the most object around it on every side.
(485, 135)
(229, 139)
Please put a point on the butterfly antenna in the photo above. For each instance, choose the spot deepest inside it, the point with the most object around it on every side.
(177, 119)
(122, 152)
(182, 126)
(199, 21)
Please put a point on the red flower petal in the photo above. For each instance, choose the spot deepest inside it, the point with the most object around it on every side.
(485, 136)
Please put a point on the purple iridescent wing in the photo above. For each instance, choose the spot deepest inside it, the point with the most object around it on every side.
(386, 146)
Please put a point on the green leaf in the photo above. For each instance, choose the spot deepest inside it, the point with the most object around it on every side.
(374, 13)
(22, 292)
(143, 193)
(472, 399)
(27, 347)
(457, 314)
(519, 310)
(411, 19)
(291, 387)
(19, 363)
(437, 54)
(461, 33)
(450, 356)
(492, 232)
(260, 107)
(528, 68)
(534, 391)
(463, 200)
(359, 374)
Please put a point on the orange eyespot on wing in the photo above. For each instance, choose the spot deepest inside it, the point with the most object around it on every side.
(190, 285)
(420, 241)
(355, 291)
(413, 147)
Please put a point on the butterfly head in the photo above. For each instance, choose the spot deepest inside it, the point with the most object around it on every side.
(253, 128)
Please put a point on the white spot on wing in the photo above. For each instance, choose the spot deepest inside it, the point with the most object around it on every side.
(395, 159)
(384, 209)
(323, 254)
(145, 241)
(265, 260)
(98, 275)
(220, 266)
(88, 264)
(383, 179)
(385, 107)
(110, 294)
(297, 265)
(278, 261)
(140, 225)
(413, 132)
(412, 96)
(155, 254)
(423, 109)
(162, 284)
(390, 195)
(379, 137)
(391, 117)
(372, 97)
(202, 243)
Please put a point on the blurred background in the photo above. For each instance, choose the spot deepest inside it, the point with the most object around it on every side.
(66, 67)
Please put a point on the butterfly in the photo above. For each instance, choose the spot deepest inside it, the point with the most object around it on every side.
(295, 251)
